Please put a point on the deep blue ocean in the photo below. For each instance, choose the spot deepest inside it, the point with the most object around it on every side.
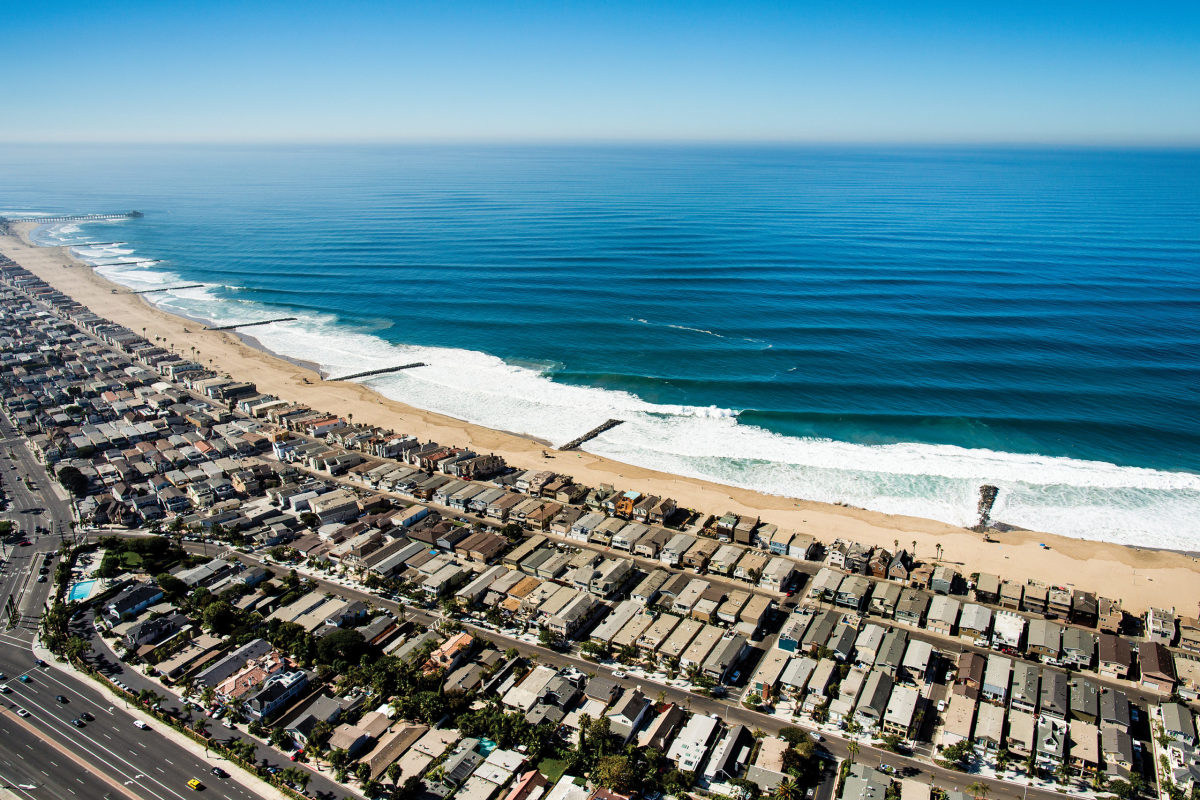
(883, 327)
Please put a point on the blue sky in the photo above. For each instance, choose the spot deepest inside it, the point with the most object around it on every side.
(1012, 72)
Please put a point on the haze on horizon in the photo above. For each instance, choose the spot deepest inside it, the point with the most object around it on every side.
(1019, 73)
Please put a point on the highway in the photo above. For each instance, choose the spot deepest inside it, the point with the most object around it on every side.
(45, 755)
(106, 662)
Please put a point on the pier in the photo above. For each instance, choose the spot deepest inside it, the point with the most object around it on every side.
(592, 434)
(170, 288)
(92, 244)
(130, 263)
(381, 371)
(248, 324)
(77, 217)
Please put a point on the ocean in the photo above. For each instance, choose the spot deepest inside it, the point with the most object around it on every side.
(883, 327)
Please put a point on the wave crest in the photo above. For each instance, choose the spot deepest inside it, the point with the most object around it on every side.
(1085, 499)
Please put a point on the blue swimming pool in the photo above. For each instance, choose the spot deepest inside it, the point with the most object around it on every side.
(486, 746)
(81, 590)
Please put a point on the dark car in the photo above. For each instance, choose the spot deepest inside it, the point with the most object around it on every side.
(220, 773)
(85, 715)
(62, 698)
(41, 579)
(78, 723)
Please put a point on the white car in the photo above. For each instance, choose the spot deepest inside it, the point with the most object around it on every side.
(137, 723)
(22, 712)
(4, 689)
(941, 706)
(619, 673)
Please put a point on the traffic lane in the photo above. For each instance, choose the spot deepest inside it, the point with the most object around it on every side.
(106, 662)
(27, 760)
(112, 741)
(101, 743)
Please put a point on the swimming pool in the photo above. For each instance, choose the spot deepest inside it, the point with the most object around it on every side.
(81, 590)
(486, 746)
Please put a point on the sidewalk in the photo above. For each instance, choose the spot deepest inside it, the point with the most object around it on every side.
(236, 773)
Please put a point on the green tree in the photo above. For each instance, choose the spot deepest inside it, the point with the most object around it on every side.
(677, 781)
(200, 726)
(363, 771)
(615, 773)
(956, 756)
(749, 790)
(172, 587)
(788, 790)
(220, 617)
(76, 648)
(279, 738)
(73, 481)
(344, 646)
(979, 790)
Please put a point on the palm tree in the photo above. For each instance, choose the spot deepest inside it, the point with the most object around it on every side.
(852, 748)
(938, 547)
(787, 790)
(201, 727)
(979, 790)
(393, 772)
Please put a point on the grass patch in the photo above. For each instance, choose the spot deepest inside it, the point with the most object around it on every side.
(552, 768)
(131, 560)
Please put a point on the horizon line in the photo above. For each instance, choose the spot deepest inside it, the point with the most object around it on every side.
(1025, 144)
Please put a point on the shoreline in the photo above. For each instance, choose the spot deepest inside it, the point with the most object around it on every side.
(1140, 577)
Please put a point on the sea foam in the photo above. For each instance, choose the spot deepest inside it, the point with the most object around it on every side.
(1083, 499)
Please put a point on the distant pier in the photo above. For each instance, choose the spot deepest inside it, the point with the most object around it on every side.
(592, 434)
(170, 288)
(130, 263)
(77, 217)
(93, 244)
(381, 371)
(250, 324)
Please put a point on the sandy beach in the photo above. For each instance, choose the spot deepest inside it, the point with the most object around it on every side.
(1138, 577)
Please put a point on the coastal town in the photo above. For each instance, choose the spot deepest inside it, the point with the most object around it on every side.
(421, 620)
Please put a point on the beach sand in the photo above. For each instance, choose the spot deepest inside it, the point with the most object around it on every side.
(1138, 577)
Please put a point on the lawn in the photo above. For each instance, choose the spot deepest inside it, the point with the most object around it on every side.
(552, 768)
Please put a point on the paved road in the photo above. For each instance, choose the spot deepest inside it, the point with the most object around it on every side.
(107, 663)
(731, 712)
(109, 755)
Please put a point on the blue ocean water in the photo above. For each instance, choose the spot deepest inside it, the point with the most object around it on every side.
(887, 328)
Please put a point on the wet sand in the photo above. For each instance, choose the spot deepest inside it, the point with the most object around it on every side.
(1137, 576)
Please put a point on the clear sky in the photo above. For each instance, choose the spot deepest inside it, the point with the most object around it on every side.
(894, 71)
